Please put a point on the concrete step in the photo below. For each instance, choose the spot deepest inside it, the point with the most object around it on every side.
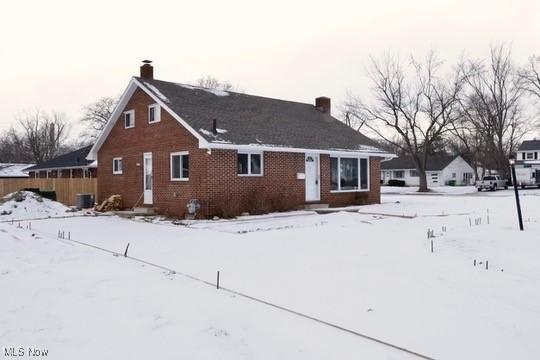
(138, 211)
(316, 206)
(144, 210)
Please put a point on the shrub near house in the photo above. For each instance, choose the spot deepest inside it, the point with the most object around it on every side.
(169, 143)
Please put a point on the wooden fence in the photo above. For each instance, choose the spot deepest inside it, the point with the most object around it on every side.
(66, 189)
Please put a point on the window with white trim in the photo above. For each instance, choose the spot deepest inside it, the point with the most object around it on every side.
(154, 113)
(530, 156)
(249, 164)
(349, 174)
(129, 119)
(399, 174)
(117, 165)
(180, 166)
(413, 173)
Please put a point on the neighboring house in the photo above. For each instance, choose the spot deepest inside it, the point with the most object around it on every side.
(14, 171)
(528, 152)
(440, 170)
(528, 163)
(71, 165)
(168, 143)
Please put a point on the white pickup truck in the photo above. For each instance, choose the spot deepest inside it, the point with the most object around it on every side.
(491, 182)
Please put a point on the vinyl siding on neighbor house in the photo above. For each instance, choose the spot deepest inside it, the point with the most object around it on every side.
(458, 166)
(213, 178)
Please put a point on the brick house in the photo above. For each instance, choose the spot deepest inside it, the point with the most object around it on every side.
(70, 165)
(168, 143)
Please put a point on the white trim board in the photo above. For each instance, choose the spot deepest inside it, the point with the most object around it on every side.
(258, 148)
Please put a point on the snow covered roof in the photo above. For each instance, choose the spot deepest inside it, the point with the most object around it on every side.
(255, 120)
(8, 170)
(247, 122)
(434, 163)
(73, 159)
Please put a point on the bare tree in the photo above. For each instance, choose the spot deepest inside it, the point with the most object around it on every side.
(211, 82)
(413, 108)
(42, 137)
(97, 114)
(530, 76)
(492, 106)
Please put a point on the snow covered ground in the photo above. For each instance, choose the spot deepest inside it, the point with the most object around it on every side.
(370, 273)
(456, 190)
(28, 205)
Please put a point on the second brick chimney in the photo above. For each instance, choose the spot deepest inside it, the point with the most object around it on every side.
(323, 104)
(147, 70)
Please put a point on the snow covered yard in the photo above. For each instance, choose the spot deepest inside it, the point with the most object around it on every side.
(374, 274)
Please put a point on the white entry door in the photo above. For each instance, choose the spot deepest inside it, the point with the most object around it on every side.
(313, 186)
(147, 178)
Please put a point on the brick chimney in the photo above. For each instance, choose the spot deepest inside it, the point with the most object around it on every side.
(323, 104)
(147, 70)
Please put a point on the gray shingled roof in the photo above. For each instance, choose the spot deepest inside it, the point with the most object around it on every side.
(246, 119)
(434, 163)
(75, 158)
(529, 145)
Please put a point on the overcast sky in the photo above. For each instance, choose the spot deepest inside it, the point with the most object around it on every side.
(59, 55)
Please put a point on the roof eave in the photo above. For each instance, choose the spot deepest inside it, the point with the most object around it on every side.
(277, 148)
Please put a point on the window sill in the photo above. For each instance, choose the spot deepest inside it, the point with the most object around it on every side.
(180, 179)
(118, 173)
(250, 175)
(131, 127)
(154, 122)
(348, 191)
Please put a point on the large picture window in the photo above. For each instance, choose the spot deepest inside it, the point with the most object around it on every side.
(180, 166)
(250, 164)
(349, 174)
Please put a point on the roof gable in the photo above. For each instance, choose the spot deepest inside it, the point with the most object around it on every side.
(246, 121)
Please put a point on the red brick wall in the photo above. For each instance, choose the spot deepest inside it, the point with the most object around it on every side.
(213, 179)
(278, 189)
(161, 138)
(373, 196)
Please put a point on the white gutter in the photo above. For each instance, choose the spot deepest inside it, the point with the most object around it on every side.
(256, 147)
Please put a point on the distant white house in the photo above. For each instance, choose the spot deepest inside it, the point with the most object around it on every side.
(528, 163)
(13, 171)
(528, 152)
(441, 170)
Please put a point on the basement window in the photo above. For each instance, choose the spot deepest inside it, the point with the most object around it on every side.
(129, 119)
(117, 166)
(180, 166)
(349, 174)
(250, 164)
(154, 113)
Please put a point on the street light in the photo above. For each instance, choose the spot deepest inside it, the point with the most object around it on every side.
(512, 161)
